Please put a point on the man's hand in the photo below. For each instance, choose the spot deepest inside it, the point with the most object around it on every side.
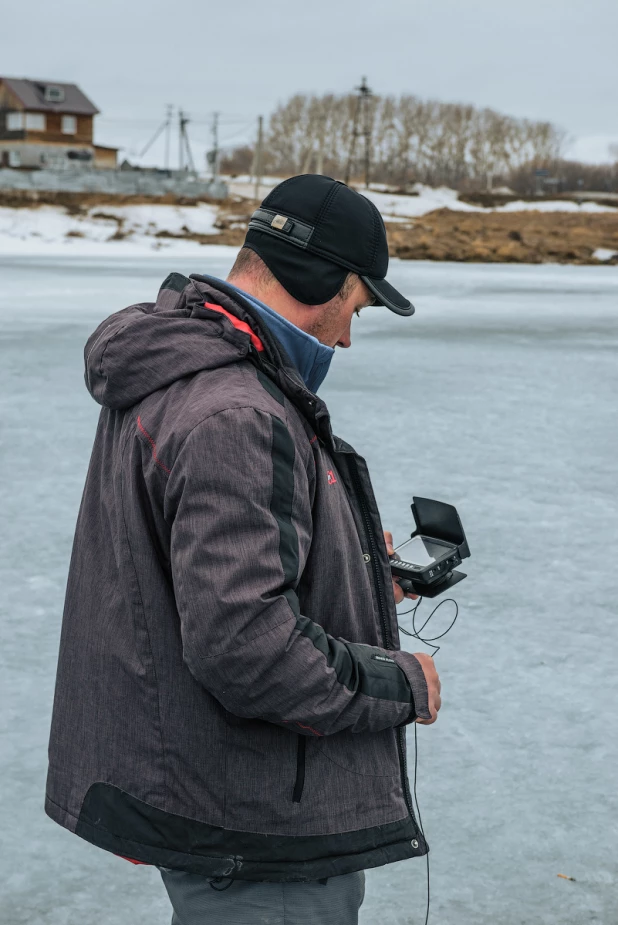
(397, 590)
(433, 687)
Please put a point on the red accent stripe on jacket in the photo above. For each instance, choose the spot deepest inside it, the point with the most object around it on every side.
(153, 446)
(238, 324)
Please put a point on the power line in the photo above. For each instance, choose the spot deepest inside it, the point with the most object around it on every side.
(164, 125)
(202, 119)
(245, 128)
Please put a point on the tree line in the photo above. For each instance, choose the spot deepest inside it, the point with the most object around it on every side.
(406, 140)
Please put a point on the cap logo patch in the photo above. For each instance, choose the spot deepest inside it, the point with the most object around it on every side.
(278, 222)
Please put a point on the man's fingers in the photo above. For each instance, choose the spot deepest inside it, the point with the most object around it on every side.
(398, 592)
(434, 687)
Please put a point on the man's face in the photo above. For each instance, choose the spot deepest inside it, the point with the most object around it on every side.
(331, 323)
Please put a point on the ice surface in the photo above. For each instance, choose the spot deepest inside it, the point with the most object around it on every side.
(499, 396)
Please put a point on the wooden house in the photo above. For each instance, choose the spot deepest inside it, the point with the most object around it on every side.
(46, 124)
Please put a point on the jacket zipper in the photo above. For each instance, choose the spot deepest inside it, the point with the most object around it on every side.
(386, 637)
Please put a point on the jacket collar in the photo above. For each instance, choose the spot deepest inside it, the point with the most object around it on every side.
(274, 360)
(311, 358)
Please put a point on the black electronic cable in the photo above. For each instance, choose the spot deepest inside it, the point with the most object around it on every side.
(222, 889)
(430, 642)
(420, 821)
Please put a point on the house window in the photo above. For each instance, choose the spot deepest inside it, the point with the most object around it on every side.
(69, 125)
(54, 94)
(14, 121)
(35, 121)
(14, 159)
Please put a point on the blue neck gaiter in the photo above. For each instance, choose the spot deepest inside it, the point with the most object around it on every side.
(311, 358)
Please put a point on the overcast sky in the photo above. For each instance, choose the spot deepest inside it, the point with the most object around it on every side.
(545, 59)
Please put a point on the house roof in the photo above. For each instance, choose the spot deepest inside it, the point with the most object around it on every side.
(31, 94)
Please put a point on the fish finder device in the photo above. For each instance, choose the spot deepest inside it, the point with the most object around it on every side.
(426, 563)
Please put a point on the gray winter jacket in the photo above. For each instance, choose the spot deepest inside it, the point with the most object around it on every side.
(230, 696)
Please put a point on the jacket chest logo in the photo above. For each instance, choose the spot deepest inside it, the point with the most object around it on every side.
(330, 475)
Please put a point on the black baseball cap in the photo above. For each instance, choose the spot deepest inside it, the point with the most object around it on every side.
(311, 231)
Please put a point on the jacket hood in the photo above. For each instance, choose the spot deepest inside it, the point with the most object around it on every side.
(149, 345)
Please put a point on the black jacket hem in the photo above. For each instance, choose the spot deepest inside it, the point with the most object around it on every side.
(118, 822)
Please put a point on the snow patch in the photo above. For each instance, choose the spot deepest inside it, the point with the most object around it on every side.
(130, 230)
(394, 206)
(555, 205)
(604, 253)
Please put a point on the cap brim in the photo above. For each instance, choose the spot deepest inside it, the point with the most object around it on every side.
(388, 296)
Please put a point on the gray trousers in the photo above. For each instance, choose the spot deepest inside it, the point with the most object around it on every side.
(195, 902)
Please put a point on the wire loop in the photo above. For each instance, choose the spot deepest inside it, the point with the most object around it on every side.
(416, 633)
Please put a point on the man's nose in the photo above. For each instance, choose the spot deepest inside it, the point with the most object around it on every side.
(345, 340)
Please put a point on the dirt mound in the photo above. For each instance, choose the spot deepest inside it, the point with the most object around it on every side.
(505, 237)
(476, 237)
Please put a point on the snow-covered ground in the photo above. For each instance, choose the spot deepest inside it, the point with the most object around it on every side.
(499, 396)
(397, 207)
(127, 230)
(401, 207)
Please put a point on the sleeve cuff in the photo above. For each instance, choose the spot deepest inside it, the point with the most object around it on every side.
(413, 671)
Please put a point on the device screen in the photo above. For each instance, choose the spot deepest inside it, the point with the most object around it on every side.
(421, 551)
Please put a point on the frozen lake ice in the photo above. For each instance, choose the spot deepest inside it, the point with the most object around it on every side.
(498, 396)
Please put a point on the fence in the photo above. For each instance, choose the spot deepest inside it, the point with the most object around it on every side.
(113, 182)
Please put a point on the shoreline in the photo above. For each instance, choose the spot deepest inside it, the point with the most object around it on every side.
(452, 232)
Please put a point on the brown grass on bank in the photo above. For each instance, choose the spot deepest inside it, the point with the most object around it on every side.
(78, 203)
(505, 237)
(475, 237)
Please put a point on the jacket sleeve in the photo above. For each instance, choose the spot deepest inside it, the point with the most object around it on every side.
(238, 500)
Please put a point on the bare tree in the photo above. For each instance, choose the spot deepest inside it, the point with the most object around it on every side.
(411, 140)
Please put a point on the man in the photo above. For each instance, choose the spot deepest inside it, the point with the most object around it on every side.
(231, 699)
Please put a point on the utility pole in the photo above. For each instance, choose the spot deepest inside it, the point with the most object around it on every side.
(363, 109)
(168, 130)
(185, 158)
(366, 96)
(319, 167)
(258, 161)
(348, 169)
(214, 153)
(180, 140)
